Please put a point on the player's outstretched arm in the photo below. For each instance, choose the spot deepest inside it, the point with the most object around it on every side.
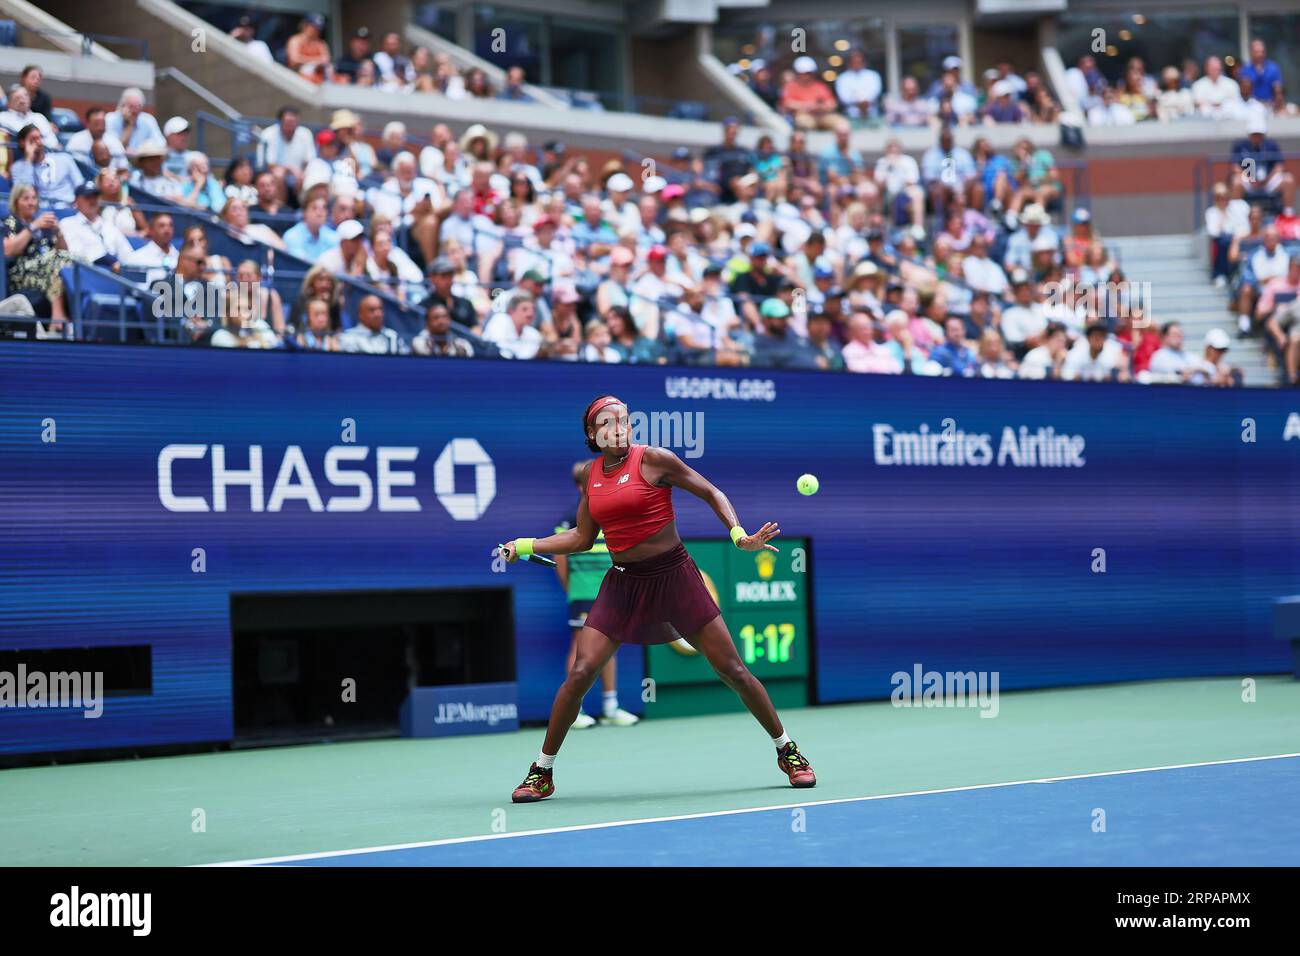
(673, 471)
(581, 537)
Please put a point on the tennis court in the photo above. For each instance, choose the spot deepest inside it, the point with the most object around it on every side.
(1185, 772)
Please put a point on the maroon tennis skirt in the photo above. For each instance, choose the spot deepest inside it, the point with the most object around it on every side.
(654, 601)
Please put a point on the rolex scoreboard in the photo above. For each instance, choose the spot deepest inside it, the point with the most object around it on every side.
(764, 600)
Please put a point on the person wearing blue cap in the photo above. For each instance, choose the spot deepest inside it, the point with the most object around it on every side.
(778, 346)
(89, 236)
(760, 281)
(307, 52)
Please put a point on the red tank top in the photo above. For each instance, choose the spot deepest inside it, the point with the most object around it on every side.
(627, 507)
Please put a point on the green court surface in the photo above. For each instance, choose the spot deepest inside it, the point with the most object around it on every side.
(322, 797)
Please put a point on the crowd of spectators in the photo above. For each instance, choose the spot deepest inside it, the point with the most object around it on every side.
(1254, 237)
(812, 96)
(775, 257)
(1250, 91)
(386, 64)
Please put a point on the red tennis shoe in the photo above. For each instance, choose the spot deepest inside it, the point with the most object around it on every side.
(796, 766)
(538, 785)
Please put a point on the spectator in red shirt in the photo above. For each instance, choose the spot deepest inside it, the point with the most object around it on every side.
(1287, 225)
(485, 197)
(808, 101)
(1141, 337)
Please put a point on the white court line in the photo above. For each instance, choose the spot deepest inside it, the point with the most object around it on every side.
(727, 813)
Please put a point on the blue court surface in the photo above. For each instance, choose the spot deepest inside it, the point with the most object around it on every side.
(1234, 813)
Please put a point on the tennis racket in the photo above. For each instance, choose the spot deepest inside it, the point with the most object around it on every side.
(535, 558)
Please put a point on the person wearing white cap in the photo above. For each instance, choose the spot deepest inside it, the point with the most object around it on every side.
(176, 133)
(619, 209)
(349, 256)
(1003, 107)
(807, 101)
(1109, 110)
(950, 79)
(858, 87)
(81, 143)
(1216, 96)
(1210, 368)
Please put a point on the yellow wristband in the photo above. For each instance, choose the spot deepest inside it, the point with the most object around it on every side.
(524, 546)
(737, 533)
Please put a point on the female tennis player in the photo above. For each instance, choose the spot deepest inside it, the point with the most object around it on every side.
(653, 593)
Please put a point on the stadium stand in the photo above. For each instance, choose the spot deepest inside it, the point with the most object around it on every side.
(394, 190)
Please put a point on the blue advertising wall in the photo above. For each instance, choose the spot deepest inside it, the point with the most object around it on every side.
(952, 566)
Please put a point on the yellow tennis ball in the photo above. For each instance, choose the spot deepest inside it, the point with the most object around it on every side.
(807, 484)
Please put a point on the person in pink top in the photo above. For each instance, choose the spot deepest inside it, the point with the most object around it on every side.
(1280, 318)
(864, 353)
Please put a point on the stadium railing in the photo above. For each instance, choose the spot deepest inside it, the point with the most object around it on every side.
(1213, 168)
(85, 41)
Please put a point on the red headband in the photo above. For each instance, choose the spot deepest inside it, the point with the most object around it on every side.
(601, 403)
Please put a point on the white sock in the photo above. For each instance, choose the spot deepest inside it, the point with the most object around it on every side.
(782, 740)
(611, 702)
(544, 760)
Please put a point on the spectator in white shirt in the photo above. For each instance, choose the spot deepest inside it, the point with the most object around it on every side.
(286, 147)
(130, 124)
(897, 172)
(858, 88)
(1096, 357)
(388, 266)
(350, 256)
(598, 347)
(157, 256)
(980, 272)
(89, 236)
(1023, 322)
(246, 34)
(1085, 82)
(1269, 261)
(433, 156)
(411, 201)
(1225, 220)
(82, 142)
(513, 331)
(395, 70)
(1216, 95)
(370, 335)
(20, 114)
(1047, 360)
(1109, 110)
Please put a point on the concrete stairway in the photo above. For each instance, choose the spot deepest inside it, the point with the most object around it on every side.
(1177, 266)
